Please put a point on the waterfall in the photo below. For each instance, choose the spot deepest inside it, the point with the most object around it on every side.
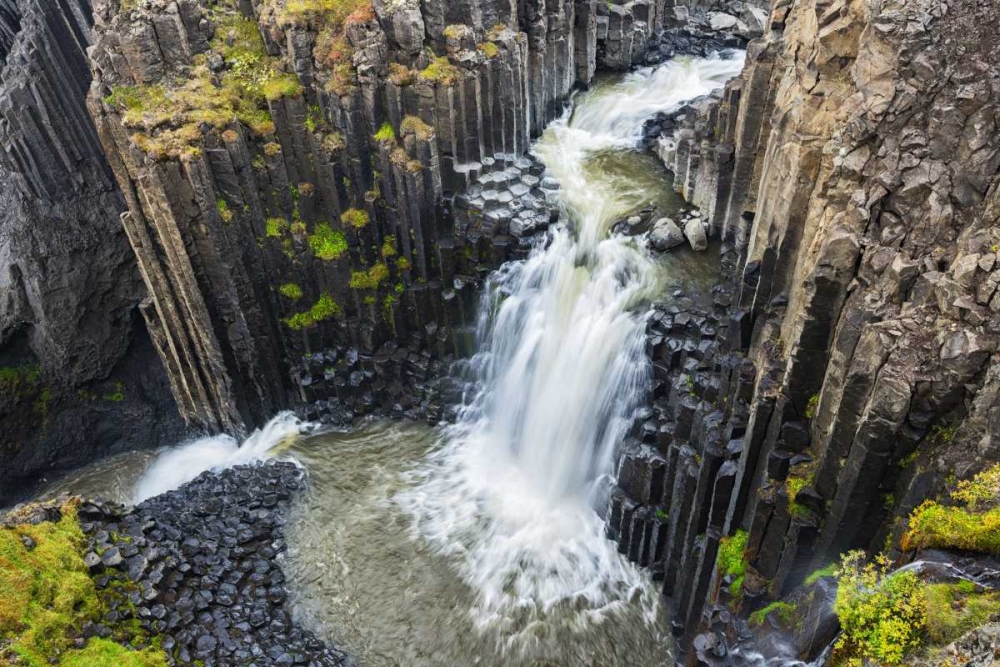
(179, 465)
(511, 493)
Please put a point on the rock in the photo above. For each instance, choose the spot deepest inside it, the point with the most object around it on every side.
(695, 233)
(720, 21)
(665, 235)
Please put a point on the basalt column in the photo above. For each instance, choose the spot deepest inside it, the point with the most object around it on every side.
(853, 168)
(312, 180)
(78, 375)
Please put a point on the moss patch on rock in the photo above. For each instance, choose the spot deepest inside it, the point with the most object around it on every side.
(970, 522)
(47, 596)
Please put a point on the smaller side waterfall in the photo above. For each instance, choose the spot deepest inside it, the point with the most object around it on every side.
(179, 465)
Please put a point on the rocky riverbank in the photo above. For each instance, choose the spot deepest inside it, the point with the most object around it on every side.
(194, 573)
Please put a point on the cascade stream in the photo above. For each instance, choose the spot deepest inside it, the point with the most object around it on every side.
(420, 546)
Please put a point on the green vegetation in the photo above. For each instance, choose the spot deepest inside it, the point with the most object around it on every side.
(315, 118)
(972, 524)
(356, 218)
(327, 243)
(371, 278)
(417, 127)
(24, 382)
(955, 608)
(46, 596)
(732, 561)
(385, 133)
(118, 395)
(882, 616)
(388, 247)
(19, 381)
(290, 291)
(328, 18)
(784, 610)
(489, 49)
(885, 616)
(324, 309)
(168, 116)
(403, 264)
(441, 71)
(224, 211)
(811, 406)
(799, 477)
(276, 227)
(828, 571)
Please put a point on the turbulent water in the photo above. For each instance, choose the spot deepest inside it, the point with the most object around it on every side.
(482, 543)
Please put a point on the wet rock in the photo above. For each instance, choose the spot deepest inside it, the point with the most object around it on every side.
(720, 21)
(665, 235)
(694, 231)
(208, 565)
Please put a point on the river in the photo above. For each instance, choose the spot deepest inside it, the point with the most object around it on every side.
(482, 542)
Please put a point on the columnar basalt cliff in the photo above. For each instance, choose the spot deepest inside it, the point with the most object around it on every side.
(329, 181)
(78, 377)
(852, 171)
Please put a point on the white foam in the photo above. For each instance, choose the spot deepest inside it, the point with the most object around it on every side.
(181, 464)
(510, 495)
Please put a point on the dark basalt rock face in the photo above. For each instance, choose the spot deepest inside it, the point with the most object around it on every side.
(70, 331)
(414, 138)
(853, 371)
(201, 565)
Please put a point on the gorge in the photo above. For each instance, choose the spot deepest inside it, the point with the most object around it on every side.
(394, 275)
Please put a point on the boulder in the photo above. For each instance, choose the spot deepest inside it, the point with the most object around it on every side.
(721, 21)
(695, 233)
(665, 235)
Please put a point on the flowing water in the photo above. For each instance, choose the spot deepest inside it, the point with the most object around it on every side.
(481, 543)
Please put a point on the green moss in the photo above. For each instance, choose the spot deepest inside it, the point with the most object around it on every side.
(388, 247)
(371, 278)
(933, 525)
(105, 653)
(403, 264)
(799, 477)
(290, 291)
(882, 616)
(828, 571)
(972, 524)
(281, 85)
(784, 610)
(327, 243)
(811, 406)
(46, 595)
(955, 608)
(489, 49)
(731, 560)
(441, 71)
(319, 13)
(315, 119)
(356, 218)
(168, 117)
(276, 227)
(224, 211)
(19, 381)
(385, 134)
(417, 127)
(118, 395)
(324, 309)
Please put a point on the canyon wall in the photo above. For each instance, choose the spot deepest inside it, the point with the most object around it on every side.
(316, 189)
(78, 376)
(852, 172)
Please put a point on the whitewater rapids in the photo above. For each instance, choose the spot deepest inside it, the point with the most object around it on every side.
(513, 494)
